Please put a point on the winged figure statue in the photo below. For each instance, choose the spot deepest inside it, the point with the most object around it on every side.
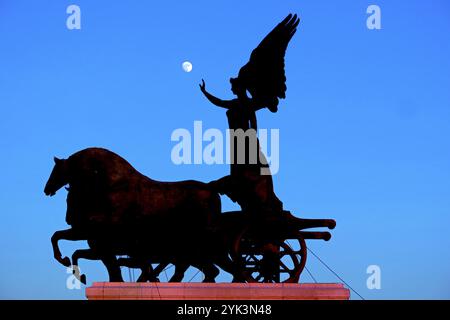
(263, 77)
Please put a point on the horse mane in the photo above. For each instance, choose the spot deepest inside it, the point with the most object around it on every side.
(92, 163)
(99, 153)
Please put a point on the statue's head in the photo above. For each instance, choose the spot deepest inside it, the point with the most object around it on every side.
(58, 177)
(237, 86)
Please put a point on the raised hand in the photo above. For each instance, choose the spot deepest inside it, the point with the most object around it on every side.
(202, 86)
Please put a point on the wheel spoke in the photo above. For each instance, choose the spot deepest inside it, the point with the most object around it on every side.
(283, 265)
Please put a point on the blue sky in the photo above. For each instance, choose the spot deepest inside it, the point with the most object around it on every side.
(364, 131)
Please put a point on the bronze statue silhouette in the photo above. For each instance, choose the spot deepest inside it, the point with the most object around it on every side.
(264, 77)
(121, 212)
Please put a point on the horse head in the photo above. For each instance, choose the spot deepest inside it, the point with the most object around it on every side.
(58, 177)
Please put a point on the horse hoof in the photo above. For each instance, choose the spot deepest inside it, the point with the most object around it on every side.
(66, 262)
(83, 279)
(209, 280)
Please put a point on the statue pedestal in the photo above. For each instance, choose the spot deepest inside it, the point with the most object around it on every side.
(216, 291)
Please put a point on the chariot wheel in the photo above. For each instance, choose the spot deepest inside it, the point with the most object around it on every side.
(270, 261)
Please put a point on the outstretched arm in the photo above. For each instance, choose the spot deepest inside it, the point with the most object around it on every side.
(214, 100)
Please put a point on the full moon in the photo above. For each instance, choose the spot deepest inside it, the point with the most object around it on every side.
(187, 66)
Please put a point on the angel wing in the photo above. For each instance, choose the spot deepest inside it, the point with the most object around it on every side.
(263, 76)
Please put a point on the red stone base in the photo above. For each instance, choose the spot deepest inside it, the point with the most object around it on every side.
(216, 291)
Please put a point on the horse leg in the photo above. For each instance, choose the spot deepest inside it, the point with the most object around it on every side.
(209, 270)
(129, 262)
(227, 265)
(88, 254)
(68, 234)
(150, 274)
(147, 272)
(153, 277)
(180, 269)
(146, 268)
(113, 267)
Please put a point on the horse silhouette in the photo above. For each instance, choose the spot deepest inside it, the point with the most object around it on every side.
(122, 212)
